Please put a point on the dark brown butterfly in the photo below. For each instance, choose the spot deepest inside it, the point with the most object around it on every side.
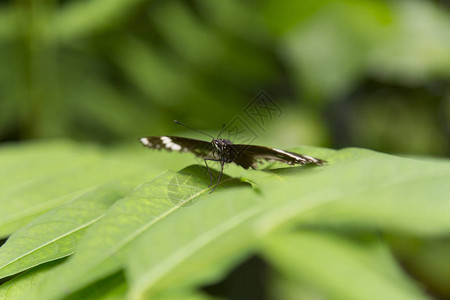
(224, 151)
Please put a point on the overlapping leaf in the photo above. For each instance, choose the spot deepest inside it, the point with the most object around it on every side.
(57, 233)
(139, 212)
(170, 236)
(340, 267)
(38, 177)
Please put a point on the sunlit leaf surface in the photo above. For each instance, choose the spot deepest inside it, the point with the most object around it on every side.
(159, 233)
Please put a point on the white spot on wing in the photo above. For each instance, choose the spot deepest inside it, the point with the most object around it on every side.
(166, 140)
(146, 142)
(174, 147)
(310, 158)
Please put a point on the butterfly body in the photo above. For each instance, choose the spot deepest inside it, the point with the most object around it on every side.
(224, 151)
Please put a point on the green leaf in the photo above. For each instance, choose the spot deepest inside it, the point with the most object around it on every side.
(141, 211)
(113, 287)
(365, 189)
(57, 233)
(339, 267)
(22, 287)
(37, 177)
(169, 236)
(214, 237)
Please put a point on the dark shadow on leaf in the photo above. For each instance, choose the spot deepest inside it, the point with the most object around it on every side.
(193, 182)
(34, 270)
(252, 273)
(201, 172)
(100, 288)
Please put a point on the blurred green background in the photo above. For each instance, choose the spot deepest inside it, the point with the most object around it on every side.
(371, 74)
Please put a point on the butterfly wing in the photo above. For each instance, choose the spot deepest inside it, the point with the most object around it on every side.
(180, 144)
(249, 156)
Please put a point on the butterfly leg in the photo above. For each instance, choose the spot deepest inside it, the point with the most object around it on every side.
(220, 176)
(209, 171)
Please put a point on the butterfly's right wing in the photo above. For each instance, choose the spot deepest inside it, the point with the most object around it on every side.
(199, 148)
(250, 155)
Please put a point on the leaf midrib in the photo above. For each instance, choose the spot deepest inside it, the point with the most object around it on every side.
(114, 250)
(165, 266)
(84, 225)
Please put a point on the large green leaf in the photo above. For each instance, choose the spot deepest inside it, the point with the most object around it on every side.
(214, 237)
(38, 177)
(21, 287)
(169, 235)
(56, 233)
(141, 211)
(366, 189)
(295, 197)
(340, 268)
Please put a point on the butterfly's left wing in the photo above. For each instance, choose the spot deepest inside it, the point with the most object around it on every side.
(199, 148)
(249, 155)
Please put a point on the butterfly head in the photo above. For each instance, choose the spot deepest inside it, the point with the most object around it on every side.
(221, 145)
(224, 149)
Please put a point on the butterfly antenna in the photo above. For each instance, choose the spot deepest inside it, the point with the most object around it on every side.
(223, 127)
(178, 122)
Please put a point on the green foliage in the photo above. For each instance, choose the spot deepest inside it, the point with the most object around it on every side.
(86, 222)
(105, 70)
(340, 266)
(135, 230)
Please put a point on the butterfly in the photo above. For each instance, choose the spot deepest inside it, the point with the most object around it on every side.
(224, 151)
